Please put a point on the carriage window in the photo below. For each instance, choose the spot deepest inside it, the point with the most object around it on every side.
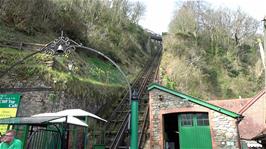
(187, 119)
(202, 119)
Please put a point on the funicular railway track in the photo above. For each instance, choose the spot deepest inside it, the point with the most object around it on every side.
(116, 131)
(143, 136)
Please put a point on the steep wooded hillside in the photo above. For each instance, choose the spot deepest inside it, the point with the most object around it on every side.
(107, 26)
(212, 53)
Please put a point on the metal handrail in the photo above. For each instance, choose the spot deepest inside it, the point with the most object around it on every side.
(143, 126)
(124, 98)
(119, 135)
(122, 128)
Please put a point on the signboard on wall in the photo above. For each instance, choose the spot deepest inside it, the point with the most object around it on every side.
(8, 107)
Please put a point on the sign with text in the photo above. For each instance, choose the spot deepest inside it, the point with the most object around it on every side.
(8, 107)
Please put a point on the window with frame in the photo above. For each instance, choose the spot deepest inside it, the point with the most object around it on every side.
(202, 119)
(187, 119)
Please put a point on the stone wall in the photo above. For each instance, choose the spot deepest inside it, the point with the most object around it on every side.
(224, 131)
(223, 128)
(41, 101)
(31, 102)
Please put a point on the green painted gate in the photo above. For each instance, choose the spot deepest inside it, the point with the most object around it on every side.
(194, 131)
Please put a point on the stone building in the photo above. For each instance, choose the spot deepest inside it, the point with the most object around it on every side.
(253, 125)
(181, 121)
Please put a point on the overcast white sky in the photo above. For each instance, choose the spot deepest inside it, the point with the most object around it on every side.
(159, 12)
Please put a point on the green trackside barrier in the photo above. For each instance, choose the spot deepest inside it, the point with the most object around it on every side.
(25, 135)
(74, 134)
(98, 146)
(244, 145)
(86, 142)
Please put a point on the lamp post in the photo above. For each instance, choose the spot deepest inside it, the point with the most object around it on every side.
(262, 52)
(64, 45)
(264, 46)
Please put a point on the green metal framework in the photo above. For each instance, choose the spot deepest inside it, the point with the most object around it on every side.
(38, 132)
(44, 138)
(195, 100)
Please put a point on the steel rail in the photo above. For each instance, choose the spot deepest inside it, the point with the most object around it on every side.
(123, 127)
(142, 86)
(125, 99)
(145, 120)
(119, 135)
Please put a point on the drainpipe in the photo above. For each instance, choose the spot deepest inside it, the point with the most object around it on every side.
(238, 120)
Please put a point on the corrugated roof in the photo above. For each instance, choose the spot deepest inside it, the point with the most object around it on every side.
(195, 100)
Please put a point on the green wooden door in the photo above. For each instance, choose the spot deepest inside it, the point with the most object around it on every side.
(194, 131)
